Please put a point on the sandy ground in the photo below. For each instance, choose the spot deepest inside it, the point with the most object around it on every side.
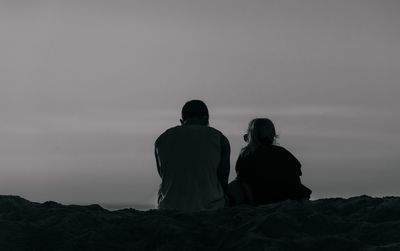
(359, 223)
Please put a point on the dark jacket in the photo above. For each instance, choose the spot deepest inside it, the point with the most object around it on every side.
(273, 174)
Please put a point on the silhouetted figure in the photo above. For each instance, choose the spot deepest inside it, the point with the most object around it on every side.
(193, 162)
(266, 172)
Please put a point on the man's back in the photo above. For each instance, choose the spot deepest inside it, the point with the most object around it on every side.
(188, 159)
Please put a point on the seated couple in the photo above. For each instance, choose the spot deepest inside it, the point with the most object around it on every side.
(193, 163)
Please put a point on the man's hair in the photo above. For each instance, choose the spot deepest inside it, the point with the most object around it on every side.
(194, 109)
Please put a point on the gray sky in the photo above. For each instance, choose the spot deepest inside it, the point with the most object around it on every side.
(87, 86)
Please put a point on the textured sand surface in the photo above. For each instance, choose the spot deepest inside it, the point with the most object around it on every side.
(359, 223)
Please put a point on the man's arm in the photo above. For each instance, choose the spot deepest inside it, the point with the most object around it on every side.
(224, 165)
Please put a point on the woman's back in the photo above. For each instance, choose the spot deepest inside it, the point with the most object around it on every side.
(272, 172)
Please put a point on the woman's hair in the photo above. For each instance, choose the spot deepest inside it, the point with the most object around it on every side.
(260, 130)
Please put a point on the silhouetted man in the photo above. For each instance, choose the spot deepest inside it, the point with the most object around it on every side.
(193, 162)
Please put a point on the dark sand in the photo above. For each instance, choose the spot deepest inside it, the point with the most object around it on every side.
(359, 223)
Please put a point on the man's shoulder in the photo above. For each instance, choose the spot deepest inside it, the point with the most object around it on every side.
(182, 130)
(217, 133)
(167, 132)
(171, 130)
(212, 129)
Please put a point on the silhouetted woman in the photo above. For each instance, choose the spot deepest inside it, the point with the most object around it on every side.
(271, 172)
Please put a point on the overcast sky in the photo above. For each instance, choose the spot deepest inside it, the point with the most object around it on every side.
(87, 86)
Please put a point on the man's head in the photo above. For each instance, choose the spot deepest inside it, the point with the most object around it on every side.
(195, 112)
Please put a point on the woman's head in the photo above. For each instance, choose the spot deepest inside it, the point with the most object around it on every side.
(259, 130)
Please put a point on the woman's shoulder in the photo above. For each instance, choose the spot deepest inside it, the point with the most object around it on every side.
(279, 148)
(287, 155)
(277, 151)
(273, 148)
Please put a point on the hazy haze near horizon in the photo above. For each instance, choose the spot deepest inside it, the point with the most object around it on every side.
(87, 86)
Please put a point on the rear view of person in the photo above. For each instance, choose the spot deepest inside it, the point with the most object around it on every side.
(271, 171)
(193, 162)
